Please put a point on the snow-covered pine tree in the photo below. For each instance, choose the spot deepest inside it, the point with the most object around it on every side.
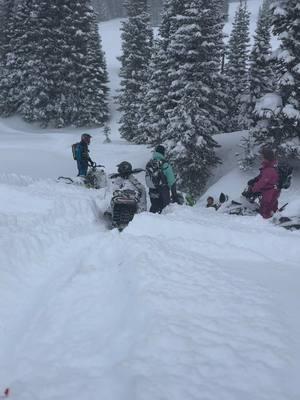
(37, 88)
(56, 74)
(261, 82)
(261, 77)
(89, 73)
(101, 10)
(283, 120)
(137, 37)
(194, 54)
(193, 155)
(6, 32)
(153, 119)
(7, 8)
(13, 57)
(236, 69)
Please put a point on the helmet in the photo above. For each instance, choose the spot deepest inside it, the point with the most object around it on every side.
(85, 137)
(160, 149)
(124, 168)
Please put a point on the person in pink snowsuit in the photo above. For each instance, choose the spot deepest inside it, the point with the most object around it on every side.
(266, 183)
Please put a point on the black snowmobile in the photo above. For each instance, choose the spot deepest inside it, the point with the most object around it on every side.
(126, 196)
(95, 179)
(249, 205)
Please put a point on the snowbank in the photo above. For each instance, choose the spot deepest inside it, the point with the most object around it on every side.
(191, 304)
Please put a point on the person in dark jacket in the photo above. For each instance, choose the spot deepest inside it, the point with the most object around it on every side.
(266, 184)
(82, 155)
(160, 197)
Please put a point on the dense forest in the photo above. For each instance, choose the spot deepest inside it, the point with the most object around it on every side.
(107, 9)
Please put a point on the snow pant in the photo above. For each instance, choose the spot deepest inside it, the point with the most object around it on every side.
(159, 198)
(269, 204)
(82, 168)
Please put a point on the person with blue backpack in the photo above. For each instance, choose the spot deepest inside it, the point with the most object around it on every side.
(81, 154)
(160, 179)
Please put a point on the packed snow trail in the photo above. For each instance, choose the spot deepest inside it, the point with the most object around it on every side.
(191, 304)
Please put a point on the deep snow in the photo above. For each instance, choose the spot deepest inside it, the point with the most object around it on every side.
(192, 304)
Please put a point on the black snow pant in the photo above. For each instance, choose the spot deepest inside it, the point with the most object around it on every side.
(159, 198)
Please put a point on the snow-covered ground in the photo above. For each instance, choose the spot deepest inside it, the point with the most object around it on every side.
(189, 305)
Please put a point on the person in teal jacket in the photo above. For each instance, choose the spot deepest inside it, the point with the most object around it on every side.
(160, 196)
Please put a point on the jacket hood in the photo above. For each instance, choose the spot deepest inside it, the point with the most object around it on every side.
(269, 164)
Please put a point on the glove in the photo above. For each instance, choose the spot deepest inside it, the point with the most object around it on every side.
(247, 193)
(252, 181)
(92, 164)
(251, 196)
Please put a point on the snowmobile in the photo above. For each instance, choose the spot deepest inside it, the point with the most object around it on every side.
(249, 205)
(95, 178)
(126, 196)
(123, 207)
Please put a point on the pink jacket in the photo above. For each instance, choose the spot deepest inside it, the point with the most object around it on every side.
(267, 182)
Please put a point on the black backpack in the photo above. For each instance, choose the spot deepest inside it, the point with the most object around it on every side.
(155, 178)
(74, 147)
(285, 176)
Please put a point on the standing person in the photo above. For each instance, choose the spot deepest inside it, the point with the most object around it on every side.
(82, 154)
(161, 180)
(267, 184)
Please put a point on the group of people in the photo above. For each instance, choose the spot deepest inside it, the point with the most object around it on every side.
(266, 184)
(160, 196)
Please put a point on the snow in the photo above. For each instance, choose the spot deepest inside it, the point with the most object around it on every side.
(192, 304)
(291, 112)
(270, 104)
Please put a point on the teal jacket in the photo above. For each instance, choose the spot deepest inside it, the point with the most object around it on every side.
(166, 168)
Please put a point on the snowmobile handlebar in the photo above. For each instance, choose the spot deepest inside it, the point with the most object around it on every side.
(134, 171)
(95, 165)
(251, 196)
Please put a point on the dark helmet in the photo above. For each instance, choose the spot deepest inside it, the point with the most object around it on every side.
(160, 149)
(124, 168)
(86, 137)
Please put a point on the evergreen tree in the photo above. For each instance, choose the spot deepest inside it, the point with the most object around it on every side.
(261, 79)
(137, 39)
(88, 78)
(191, 146)
(261, 82)
(278, 113)
(153, 117)
(56, 69)
(13, 57)
(194, 53)
(6, 13)
(101, 10)
(284, 128)
(236, 70)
